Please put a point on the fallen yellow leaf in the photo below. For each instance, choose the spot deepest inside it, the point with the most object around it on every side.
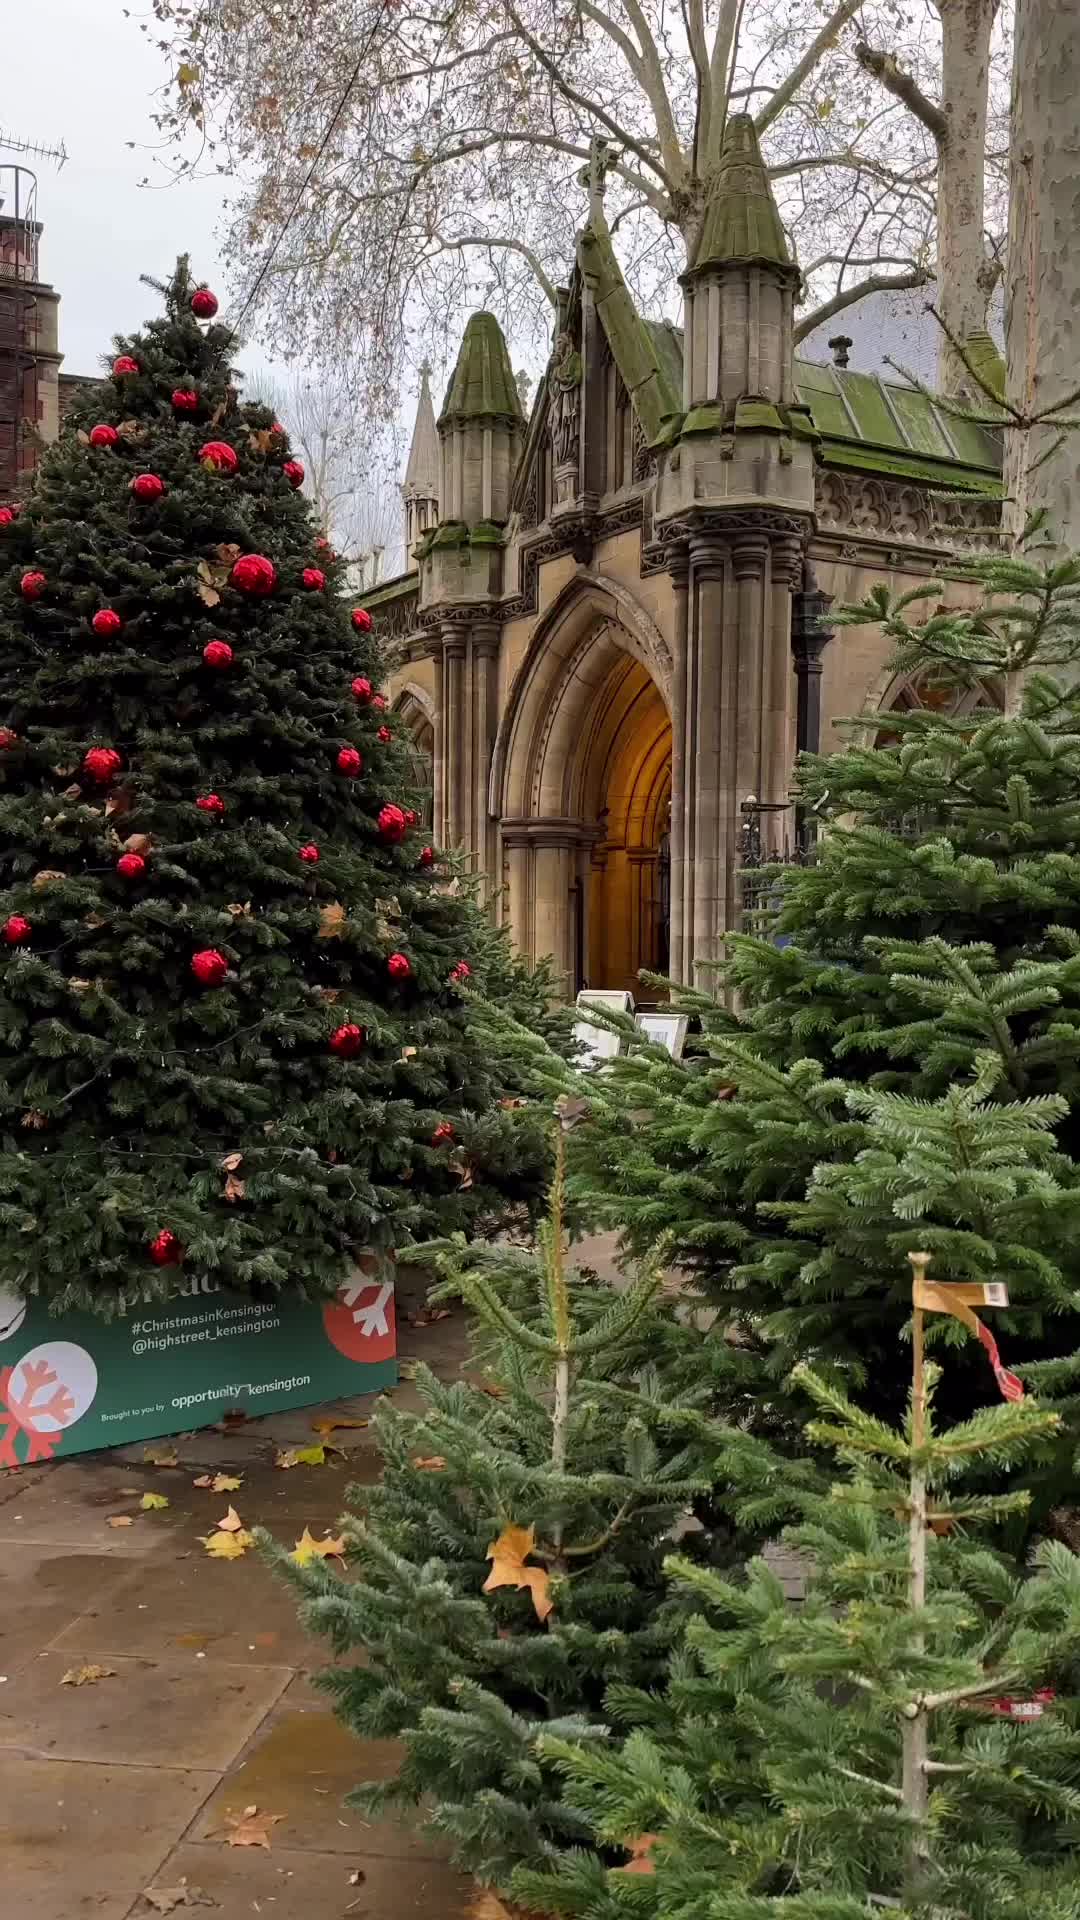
(251, 1828)
(119, 1520)
(227, 1546)
(308, 1549)
(163, 1456)
(219, 1482)
(153, 1502)
(508, 1569)
(300, 1457)
(86, 1676)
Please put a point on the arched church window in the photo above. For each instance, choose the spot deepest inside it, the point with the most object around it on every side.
(928, 692)
(419, 740)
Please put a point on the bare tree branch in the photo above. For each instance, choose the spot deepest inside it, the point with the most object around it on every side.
(887, 69)
(512, 246)
(786, 91)
(876, 283)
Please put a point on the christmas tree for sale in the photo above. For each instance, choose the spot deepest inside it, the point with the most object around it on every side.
(906, 1739)
(509, 1566)
(233, 1039)
(933, 940)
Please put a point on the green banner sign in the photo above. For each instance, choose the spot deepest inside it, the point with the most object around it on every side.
(72, 1383)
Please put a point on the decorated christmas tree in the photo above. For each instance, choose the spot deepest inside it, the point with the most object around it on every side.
(508, 1568)
(904, 1739)
(232, 1029)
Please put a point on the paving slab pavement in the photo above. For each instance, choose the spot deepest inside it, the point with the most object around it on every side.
(128, 1782)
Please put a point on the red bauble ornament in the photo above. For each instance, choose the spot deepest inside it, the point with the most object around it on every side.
(443, 1133)
(210, 803)
(102, 764)
(294, 472)
(219, 456)
(462, 971)
(204, 304)
(314, 579)
(103, 436)
(347, 1040)
(350, 762)
(399, 966)
(218, 653)
(254, 573)
(185, 400)
(106, 620)
(427, 857)
(411, 816)
(378, 701)
(8, 739)
(383, 735)
(391, 824)
(362, 689)
(310, 853)
(15, 930)
(131, 865)
(209, 967)
(32, 586)
(6, 517)
(361, 619)
(148, 486)
(125, 364)
(165, 1249)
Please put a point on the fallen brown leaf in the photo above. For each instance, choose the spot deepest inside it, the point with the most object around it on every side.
(86, 1676)
(163, 1456)
(166, 1899)
(232, 1522)
(119, 1520)
(251, 1828)
(300, 1457)
(219, 1482)
(431, 1463)
(427, 1316)
(332, 921)
(327, 1424)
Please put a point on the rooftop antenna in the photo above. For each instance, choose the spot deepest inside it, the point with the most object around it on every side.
(38, 149)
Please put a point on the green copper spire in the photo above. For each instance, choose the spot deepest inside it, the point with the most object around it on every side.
(482, 385)
(741, 219)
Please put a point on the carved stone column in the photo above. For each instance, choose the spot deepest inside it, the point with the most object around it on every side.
(809, 637)
(678, 559)
(467, 718)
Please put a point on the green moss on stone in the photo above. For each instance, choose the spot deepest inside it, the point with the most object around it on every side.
(742, 222)
(482, 385)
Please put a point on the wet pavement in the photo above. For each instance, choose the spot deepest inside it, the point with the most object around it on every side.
(129, 1782)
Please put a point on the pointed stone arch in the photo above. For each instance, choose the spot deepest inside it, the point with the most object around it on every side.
(415, 709)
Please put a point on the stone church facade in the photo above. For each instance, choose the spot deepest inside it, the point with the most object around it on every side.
(614, 639)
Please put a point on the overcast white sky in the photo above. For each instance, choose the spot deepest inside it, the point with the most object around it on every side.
(78, 72)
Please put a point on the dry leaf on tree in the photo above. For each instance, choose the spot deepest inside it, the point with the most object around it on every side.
(430, 1463)
(640, 1849)
(230, 1162)
(250, 1828)
(86, 1676)
(507, 1555)
(46, 877)
(234, 1189)
(332, 921)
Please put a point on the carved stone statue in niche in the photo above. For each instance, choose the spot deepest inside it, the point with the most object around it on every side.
(565, 387)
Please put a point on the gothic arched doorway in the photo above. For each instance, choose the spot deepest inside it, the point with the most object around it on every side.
(581, 782)
(413, 710)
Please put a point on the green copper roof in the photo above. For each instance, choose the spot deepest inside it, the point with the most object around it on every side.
(741, 219)
(869, 422)
(983, 353)
(648, 355)
(482, 385)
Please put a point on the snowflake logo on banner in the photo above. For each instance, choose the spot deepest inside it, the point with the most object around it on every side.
(360, 1322)
(41, 1396)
